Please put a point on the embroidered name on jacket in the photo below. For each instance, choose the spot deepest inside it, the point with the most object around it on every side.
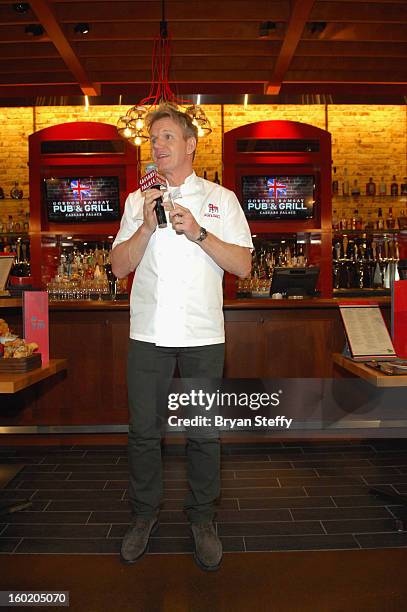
(213, 211)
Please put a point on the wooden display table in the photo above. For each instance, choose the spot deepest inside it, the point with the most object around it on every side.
(375, 377)
(11, 383)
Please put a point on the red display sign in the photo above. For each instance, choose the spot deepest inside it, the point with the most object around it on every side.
(399, 318)
(35, 321)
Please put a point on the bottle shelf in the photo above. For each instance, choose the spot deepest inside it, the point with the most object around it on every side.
(370, 232)
(363, 292)
(14, 199)
(14, 235)
(373, 198)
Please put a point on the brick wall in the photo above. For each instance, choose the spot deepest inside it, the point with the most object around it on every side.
(368, 140)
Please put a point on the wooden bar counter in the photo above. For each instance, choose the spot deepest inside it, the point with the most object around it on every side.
(264, 339)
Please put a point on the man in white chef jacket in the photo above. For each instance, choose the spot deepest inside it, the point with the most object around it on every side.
(176, 317)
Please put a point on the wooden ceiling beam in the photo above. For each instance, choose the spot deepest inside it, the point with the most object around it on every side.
(221, 31)
(360, 32)
(352, 64)
(176, 10)
(185, 48)
(27, 51)
(24, 65)
(48, 20)
(210, 64)
(343, 76)
(359, 12)
(298, 18)
(45, 78)
(205, 48)
(329, 48)
(148, 31)
(181, 76)
(344, 89)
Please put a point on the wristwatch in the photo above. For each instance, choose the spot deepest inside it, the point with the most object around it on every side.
(202, 235)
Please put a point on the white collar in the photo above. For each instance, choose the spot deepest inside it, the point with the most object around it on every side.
(190, 187)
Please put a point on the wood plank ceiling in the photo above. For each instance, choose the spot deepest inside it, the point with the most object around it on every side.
(305, 47)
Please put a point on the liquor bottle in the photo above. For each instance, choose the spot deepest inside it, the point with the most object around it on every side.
(382, 187)
(359, 221)
(10, 224)
(402, 220)
(394, 188)
(371, 187)
(16, 192)
(345, 184)
(369, 221)
(355, 188)
(216, 179)
(335, 221)
(343, 224)
(26, 224)
(403, 187)
(301, 258)
(353, 219)
(205, 175)
(379, 222)
(335, 183)
(390, 220)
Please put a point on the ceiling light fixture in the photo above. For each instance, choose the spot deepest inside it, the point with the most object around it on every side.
(317, 27)
(21, 7)
(82, 28)
(265, 28)
(132, 125)
(34, 29)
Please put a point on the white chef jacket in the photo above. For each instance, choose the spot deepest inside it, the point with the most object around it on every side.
(177, 295)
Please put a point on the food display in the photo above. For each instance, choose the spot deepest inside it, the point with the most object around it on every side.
(4, 329)
(18, 349)
(17, 355)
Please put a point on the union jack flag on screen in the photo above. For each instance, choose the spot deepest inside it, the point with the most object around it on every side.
(80, 191)
(277, 189)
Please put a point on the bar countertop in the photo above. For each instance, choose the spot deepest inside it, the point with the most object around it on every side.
(229, 304)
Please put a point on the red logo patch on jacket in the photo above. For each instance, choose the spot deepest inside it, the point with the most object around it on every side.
(213, 211)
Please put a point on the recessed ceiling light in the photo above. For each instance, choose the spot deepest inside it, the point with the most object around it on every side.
(265, 28)
(21, 7)
(82, 28)
(316, 27)
(34, 29)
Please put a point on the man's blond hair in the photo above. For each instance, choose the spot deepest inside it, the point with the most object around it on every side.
(164, 110)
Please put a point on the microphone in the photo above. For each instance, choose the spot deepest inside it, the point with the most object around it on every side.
(153, 180)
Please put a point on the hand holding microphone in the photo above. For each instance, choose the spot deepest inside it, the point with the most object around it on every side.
(153, 180)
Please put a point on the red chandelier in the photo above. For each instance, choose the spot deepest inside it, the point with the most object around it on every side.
(132, 125)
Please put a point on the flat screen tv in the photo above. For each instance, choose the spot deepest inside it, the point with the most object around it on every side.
(268, 197)
(82, 199)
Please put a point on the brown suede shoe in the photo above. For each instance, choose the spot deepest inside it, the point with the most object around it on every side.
(136, 539)
(208, 547)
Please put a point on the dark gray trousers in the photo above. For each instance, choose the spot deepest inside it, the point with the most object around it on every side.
(149, 373)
